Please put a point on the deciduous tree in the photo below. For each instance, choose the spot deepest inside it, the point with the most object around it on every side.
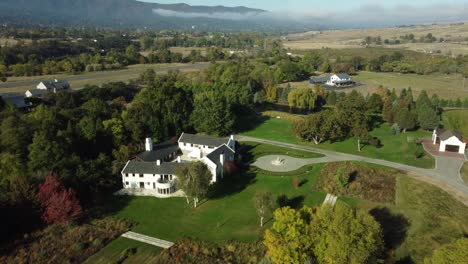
(264, 203)
(288, 240)
(59, 203)
(455, 252)
(194, 179)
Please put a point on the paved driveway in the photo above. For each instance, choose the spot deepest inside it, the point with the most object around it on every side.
(446, 175)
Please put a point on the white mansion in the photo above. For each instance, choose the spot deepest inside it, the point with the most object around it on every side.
(155, 168)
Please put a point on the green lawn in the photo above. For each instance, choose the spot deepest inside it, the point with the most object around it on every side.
(394, 147)
(456, 120)
(228, 215)
(428, 216)
(257, 150)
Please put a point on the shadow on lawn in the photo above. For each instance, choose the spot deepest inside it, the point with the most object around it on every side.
(109, 206)
(232, 184)
(394, 227)
(295, 202)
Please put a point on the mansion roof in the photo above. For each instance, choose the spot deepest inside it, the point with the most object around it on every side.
(203, 140)
(160, 152)
(142, 167)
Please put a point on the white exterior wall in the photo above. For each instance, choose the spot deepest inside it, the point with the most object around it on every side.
(453, 141)
(134, 181)
(212, 167)
(28, 94)
(188, 147)
(41, 86)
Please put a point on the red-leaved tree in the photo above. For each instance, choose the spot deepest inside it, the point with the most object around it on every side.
(230, 167)
(58, 203)
(296, 182)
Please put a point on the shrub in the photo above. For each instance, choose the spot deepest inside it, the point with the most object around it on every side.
(396, 130)
(419, 152)
(192, 251)
(57, 243)
(355, 180)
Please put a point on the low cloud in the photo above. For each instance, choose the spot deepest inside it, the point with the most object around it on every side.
(373, 15)
(214, 15)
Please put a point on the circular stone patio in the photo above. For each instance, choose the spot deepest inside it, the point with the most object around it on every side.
(288, 163)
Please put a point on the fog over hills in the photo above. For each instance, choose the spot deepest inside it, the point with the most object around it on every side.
(131, 13)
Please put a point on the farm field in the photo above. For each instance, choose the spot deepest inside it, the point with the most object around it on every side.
(22, 84)
(394, 147)
(445, 86)
(417, 209)
(456, 120)
(352, 38)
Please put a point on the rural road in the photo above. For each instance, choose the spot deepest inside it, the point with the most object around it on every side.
(445, 176)
(104, 74)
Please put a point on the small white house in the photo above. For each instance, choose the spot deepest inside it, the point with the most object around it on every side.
(53, 85)
(155, 168)
(45, 87)
(449, 141)
(339, 79)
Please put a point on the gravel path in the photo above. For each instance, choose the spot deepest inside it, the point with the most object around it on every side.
(446, 175)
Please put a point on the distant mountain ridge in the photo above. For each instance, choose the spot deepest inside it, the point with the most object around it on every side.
(109, 12)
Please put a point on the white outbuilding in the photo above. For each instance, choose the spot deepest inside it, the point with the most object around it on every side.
(450, 141)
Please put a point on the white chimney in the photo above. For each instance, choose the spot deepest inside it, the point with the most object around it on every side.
(232, 137)
(158, 162)
(178, 159)
(148, 144)
(221, 159)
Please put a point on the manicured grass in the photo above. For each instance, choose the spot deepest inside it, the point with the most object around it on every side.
(456, 120)
(257, 150)
(394, 147)
(228, 215)
(421, 219)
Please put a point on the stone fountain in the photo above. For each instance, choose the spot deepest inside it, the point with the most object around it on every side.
(278, 161)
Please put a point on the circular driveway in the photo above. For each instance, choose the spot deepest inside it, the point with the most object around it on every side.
(289, 163)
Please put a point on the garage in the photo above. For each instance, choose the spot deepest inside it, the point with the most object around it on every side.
(450, 141)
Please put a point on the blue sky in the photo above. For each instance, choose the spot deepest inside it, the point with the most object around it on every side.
(301, 5)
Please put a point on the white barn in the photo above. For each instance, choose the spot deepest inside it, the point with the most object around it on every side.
(449, 141)
(155, 168)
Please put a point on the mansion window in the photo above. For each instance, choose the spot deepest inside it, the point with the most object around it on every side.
(141, 175)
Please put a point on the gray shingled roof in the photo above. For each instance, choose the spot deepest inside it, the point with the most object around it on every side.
(160, 152)
(36, 92)
(214, 156)
(17, 101)
(343, 75)
(203, 140)
(141, 167)
(59, 84)
(446, 134)
(321, 79)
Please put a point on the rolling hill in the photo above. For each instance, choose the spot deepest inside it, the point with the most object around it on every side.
(116, 12)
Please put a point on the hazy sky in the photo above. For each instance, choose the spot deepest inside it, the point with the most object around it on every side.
(337, 13)
(304, 5)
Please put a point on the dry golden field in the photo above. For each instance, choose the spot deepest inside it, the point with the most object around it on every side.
(455, 34)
